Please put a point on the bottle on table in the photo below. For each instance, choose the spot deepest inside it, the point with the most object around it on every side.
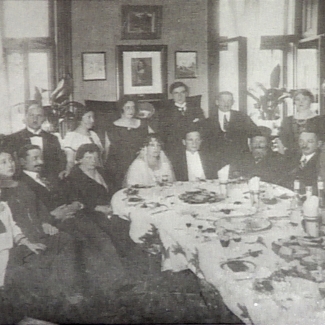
(296, 205)
(309, 191)
(321, 198)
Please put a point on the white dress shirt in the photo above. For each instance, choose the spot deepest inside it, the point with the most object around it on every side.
(221, 115)
(305, 158)
(194, 166)
(181, 107)
(38, 141)
(35, 176)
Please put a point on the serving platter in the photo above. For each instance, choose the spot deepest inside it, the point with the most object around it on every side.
(200, 196)
(244, 225)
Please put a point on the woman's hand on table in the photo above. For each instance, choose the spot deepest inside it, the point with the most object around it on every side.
(106, 209)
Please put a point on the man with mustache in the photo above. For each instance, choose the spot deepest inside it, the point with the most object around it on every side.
(306, 166)
(54, 158)
(261, 161)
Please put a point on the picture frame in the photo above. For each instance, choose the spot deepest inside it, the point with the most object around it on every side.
(93, 66)
(141, 22)
(142, 71)
(186, 64)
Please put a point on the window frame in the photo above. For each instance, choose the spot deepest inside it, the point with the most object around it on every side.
(27, 45)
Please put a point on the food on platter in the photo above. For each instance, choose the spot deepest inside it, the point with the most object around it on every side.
(200, 196)
(243, 225)
(310, 258)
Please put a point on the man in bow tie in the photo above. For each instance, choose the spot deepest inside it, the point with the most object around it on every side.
(175, 119)
(228, 131)
(192, 164)
(54, 158)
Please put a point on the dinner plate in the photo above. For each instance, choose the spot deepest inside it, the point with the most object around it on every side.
(240, 269)
(244, 225)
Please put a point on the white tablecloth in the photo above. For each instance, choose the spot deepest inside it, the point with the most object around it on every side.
(182, 229)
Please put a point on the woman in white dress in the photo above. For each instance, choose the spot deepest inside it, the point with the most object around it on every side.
(151, 167)
(83, 134)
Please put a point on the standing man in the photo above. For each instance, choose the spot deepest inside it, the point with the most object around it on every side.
(228, 131)
(176, 118)
(54, 158)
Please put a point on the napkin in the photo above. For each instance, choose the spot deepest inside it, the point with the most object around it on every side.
(310, 206)
(254, 184)
(223, 173)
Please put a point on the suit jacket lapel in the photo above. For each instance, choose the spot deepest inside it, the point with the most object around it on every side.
(25, 136)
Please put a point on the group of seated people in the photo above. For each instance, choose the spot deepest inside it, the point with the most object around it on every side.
(58, 234)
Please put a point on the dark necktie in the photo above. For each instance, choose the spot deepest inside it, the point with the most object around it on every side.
(225, 123)
(181, 109)
(303, 163)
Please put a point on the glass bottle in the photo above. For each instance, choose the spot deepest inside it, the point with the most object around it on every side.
(296, 205)
(321, 198)
(320, 189)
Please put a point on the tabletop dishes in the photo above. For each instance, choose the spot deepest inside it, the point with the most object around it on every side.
(243, 225)
(200, 196)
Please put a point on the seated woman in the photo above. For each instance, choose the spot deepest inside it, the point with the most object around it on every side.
(125, 139)
(81, 135)
(88, 186)
(151, 167)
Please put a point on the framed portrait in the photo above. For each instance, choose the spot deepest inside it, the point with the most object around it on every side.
(141, 22)
(142, 70)
(185, 64)
(93, 66)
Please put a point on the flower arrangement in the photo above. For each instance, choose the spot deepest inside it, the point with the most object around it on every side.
(60, 113)
(268, 103)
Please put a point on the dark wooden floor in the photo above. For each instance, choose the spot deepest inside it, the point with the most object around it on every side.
(158, 297)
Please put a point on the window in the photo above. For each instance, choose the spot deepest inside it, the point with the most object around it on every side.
(28, 42)
(258, 21)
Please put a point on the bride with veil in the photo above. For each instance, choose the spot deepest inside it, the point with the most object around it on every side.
(151, 167)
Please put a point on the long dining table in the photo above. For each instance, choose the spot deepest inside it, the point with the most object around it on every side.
(262, 263)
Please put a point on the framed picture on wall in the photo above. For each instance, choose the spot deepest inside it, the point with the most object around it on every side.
(185, 64)
(141, 22)
(93, 66)
(142, 71)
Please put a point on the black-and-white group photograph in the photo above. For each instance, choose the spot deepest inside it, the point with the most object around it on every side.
(162, 162)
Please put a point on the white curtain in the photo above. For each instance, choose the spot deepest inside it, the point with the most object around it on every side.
(5, 114)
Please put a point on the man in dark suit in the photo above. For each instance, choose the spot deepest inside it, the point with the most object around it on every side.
(306, 166)
(54, 158)
(228, 131)
(191, 164)
(261, 161)
(74, 219)
(177, 117)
